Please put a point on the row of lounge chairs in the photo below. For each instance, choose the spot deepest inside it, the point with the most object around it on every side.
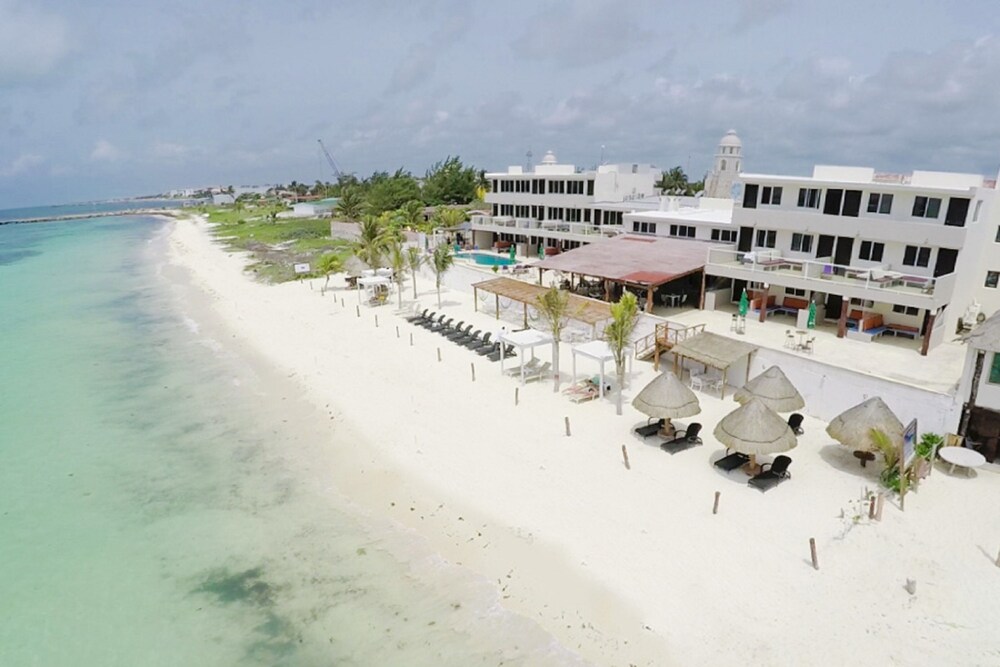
(771, 474)
(462, 334)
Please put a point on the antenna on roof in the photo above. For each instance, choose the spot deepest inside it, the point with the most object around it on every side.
(527, 160)
(602, 155)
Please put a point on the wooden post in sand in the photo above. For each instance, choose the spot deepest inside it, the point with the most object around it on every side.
(439, 354)
(567, 427)
(715, 507)
(878, 507)
(397, 332)
(998, 558)
(341, 303)
(376, 321)
(516, 397)
(625, 456)
(411, 340)
(473, 367)
(357, 310)
(812, 550)
(871, 508)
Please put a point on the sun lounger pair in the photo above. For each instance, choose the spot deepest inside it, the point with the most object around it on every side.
(651, 428)
(681, 442)
(582, 391)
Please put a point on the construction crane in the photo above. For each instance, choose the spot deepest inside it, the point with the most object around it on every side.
(329, 158)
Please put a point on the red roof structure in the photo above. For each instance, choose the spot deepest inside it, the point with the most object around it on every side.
(636, 260)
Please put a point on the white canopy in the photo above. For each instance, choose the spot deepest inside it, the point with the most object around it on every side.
(524, 340)
(598, 350)
(370, 284)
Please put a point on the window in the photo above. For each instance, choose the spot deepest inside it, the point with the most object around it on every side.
(574, 188)
(879, 203)
(998, 235)
(766, 238)
(995, 369)
(992, 278)
(791, 291)
(682, 230)
(722, 165)
(926, 207)
(644, 227)
(864, 303)
(729, 235)
(916, 256)
(906, 310)
(590, 188)
(770, 195)
(832, 204)
(808, 197)
(958, 211)
(871, 251)
(842, 202)
(802, 242)
(750, 195)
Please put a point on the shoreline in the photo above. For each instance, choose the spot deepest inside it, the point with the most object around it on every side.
(622, 566)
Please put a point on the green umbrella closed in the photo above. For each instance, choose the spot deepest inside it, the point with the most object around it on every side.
(811, 322)
(513, 252)
(744, 304)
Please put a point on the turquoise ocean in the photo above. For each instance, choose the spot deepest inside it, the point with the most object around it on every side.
(158, 499)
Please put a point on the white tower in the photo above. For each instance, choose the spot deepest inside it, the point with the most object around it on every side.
(728, 163)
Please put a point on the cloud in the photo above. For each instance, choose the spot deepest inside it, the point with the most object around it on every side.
(21, 164)
(33, 43)
(753, 13)
(168, 150)
(576, 34)
(105, 151)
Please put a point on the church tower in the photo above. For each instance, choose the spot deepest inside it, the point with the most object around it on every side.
(728, 163)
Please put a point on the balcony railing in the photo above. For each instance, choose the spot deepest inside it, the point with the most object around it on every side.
(762, 265)
(541, 227)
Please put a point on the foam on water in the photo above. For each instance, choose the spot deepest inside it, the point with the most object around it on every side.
(162, 501)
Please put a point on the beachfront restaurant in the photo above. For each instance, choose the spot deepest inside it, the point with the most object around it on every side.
(658, 270)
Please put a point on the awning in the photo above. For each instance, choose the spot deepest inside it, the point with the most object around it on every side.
(598, 350)
(581, 309)
(523, 340)
(713, 350)
(638, 260)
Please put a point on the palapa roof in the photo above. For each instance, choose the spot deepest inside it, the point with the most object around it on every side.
(773, 389)
(666, 397)
(754, 428)
(632, 259)
(713, 350)
(581, 308)
(986, 336)
(853, 427)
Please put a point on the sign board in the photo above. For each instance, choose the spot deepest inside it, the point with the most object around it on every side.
(909, 445)
(302, 268)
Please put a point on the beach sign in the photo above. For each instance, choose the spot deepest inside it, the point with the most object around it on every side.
(302, 268)
(909, 445)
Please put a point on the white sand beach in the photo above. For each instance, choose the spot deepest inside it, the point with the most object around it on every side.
(627, 567)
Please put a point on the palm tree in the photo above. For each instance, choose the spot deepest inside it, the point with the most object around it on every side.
(371, 244)
(445, 216)
(329, 263)
(398, 261)
(414, 259)
(553, 307)
(673, 182)
(351, 204)
(411, 214)
(624, 316)
(441, 261)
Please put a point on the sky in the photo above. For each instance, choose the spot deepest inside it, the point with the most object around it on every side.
(115, 98)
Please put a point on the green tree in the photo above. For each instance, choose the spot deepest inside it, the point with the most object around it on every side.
(445, 216)
(553, 309)
(328, 264)
(351, 204)
(674, 182)
(387, 193)
(618, 334)
(414, 260)
(372, 241)
(450, 182)
(441, 261)
(411, 214)
(398, 261)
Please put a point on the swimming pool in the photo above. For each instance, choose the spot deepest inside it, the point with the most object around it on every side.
(486, 259)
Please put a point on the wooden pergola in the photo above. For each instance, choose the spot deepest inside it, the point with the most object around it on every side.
(715, 351)
(581, 309)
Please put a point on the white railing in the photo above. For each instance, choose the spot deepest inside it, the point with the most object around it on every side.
(541, 227)
(767, 261)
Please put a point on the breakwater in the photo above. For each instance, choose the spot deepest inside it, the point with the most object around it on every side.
(85, 216)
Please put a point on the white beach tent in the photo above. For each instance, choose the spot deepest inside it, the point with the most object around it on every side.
(527, 339)
(370, 286)
(598, 350)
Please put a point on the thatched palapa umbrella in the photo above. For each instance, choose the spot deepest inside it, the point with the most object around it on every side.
(774, 390)
(666, 398)
(853, 427)
(753, 429)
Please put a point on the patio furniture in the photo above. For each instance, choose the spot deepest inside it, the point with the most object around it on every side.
(795, 423)
(484, 342)
(681, 442)
(732, 461)
(772, 474)
(485, 350)
(651, 428)
(809, 345)
(529, 366)
(507, 351)
(474, 335)
(962, 457)
(417, 316)
(459, 333)
(539, 372)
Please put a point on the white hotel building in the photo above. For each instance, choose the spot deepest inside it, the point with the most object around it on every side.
(880, 254)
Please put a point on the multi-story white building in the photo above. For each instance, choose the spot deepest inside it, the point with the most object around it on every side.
(910, 254)
(560, 207)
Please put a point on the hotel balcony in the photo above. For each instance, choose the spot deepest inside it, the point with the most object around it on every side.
(822, 275)
(585, 232)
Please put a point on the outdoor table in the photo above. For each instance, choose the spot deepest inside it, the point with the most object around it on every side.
(802, 338)
(962, 456)
(674, 299)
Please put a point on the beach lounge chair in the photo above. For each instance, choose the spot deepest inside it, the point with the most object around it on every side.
(539, 372)
(442, 324)
(477, 343)
(431, 321)
(471, 335)
(586, 391)
(529, 366)
(774, 474)
(795, 423)
(451, 328)
(651, 428)
(508, 352)
(486, 350)
(681, 442)
(418, 316)
(732, 461)
(459, 332)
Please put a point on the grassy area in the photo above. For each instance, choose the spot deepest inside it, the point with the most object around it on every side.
(276, 244)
